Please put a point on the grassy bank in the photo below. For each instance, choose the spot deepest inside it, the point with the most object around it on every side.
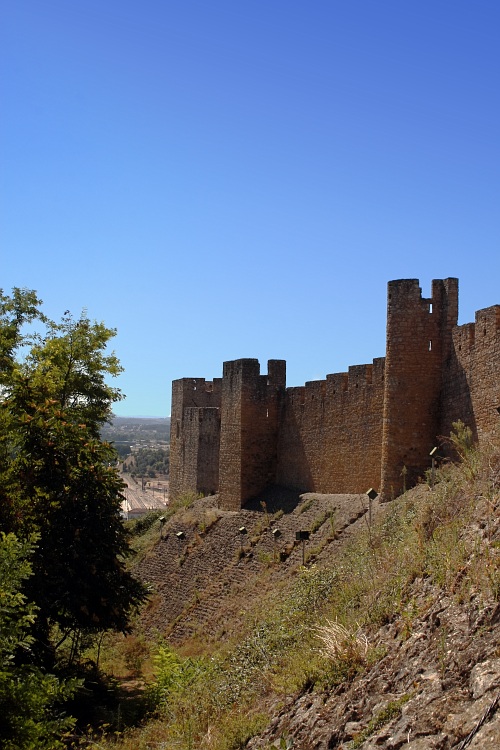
(319, 629)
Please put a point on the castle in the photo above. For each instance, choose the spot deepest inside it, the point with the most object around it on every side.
(373, 426)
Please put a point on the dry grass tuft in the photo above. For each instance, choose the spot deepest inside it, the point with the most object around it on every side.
(342, 644)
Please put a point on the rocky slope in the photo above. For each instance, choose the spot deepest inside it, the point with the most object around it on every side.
(430, 677)
(434, 688)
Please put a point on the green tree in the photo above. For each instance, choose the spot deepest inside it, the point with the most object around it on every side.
(151, 461)
(123, 449)
(16, 312)
(30, 700)
(57, 478)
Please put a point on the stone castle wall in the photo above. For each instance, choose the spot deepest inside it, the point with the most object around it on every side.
(195, 436)
(249, 428)
(364, 428)
(331, 432)
(418, 344)
(471, 390)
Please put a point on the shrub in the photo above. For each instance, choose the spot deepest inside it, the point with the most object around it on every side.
(173, 674)
(31, 700)
(343, 644)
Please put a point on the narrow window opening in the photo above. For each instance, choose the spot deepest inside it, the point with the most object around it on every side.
(430, 345)
(430, 307)
(267, 413)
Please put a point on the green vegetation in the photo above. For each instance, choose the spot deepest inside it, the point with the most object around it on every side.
(149, 462)
(173, 674)
(306, 504)
(319, 521)
(382, 718)
(65, 584)
(122, 449)
(317, 630)
(31, 698)
(137, 430)
(145, 531)
(59, 487)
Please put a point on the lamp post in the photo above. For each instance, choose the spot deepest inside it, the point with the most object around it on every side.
(162, 520)
(302, 536)
(372, 495)
(433, 455)
(180, 535)
(243, 532)
(276, 535)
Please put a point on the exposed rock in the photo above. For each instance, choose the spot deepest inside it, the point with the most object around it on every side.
(436, 685)
(484, 677)
(428, 693)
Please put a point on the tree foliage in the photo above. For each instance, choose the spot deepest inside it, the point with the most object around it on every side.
(149, 462)
(31, 714)
(57, 478)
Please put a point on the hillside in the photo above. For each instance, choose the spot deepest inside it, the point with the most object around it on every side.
(387, 638)
(206, 582)
(137, 430)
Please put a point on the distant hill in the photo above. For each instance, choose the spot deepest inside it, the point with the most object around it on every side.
(139, 420)
(137, 429)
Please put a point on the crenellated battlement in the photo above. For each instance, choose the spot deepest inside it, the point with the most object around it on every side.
(246, 431)
(487, 323)
(464, 337)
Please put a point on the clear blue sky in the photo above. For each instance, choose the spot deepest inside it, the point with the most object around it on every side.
(232, 179)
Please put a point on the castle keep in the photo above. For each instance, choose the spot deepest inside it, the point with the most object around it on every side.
(241, 433)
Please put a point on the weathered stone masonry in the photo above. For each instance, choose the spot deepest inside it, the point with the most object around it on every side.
(245, 431)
